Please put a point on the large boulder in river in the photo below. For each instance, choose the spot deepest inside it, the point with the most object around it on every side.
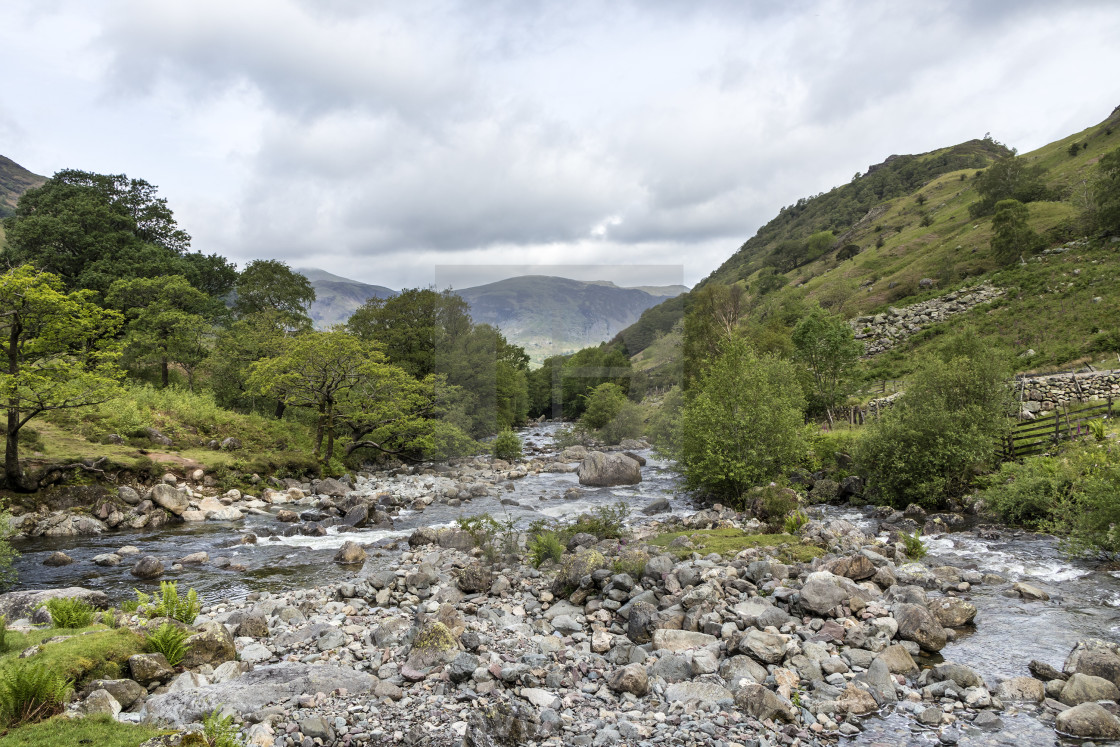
(915, 623)
(1084, 688)
(606, 470)
(1088, 721)
(350, 553)
(165, 496)
(148, 566)
(17, 604)
(1095, 657)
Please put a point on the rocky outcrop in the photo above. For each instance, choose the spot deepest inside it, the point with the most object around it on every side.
(881, 332)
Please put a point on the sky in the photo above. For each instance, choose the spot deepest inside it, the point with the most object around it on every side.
(387, 142)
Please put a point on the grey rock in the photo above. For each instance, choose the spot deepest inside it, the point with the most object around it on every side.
(165, 496)
(17, 604)
(1083, 688)
(1088, 721)
(763, 704)
(607, 470)
(915, 623)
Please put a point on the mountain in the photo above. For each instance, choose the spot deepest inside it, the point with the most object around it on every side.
(550, 315)
(336, 297)
(14, 181)
(903, 233)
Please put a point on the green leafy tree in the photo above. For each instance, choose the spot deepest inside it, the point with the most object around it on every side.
(93, 229)
(712, 317)
(1012, 237)
(413, 325)
(269, 285)
(742, 424)
(588, 368)
(316, 370)
(826, 345)
(1008, 179)
(235, 349)
(946, 428)
(57, 352)
(166, 323)
(1106, 191)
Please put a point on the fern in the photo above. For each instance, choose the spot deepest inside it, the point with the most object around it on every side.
(220, 731)
(29, 692)
(169, 640)
(70, 612)
(3, 633)
(170, 604)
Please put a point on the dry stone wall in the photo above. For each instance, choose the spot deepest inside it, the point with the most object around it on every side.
(1045, 393)
(881, 332)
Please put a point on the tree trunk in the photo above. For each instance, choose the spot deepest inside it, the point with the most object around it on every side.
(163, 371)
(13, 475)
(319, 428)
(280, 407)
(330, 431)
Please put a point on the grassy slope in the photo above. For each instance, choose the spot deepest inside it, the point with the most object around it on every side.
(1049, 308)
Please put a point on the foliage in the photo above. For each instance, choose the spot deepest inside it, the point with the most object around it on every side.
(30, 692)
(1008, 179)
(631, 561)
(795, 522)
(654, 322)
(664, 429)
(235, 349)
(55, 352)
(412, 326)
(1011, 236)
(170, 604)
(742, 426)
(270, 286)
(545, 546)
(943, 432)
(8, 555)
(1106, 191)
(101, 730)
(582, 372)
(1097, 430)
(610, 415)
(915, 549)
(506, 445)
(89, 654)
(70, 612)
(826, 345)
(221, 731)
(1072, 495)
(731, 541)
(3, 633)
(712, 317)
(170, 640)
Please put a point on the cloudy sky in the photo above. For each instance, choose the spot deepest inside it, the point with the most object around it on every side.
(385, 141)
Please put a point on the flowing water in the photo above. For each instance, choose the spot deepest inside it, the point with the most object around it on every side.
(1009, 631)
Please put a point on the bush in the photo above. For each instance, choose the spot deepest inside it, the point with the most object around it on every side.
(742, 424)
(507, 446)
(943, 432)
(665, 424)
(915, 550)
(3, 633)
(220, 731)
(169, 640)
(545, 546)
(795, 522)
(70, 612)
(29, 692)
(184, 610)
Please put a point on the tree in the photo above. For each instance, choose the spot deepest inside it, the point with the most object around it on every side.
(712, 317)
(1106, 191)
(165, 322)
(1012, 237)
(316, 370)
(235, 349)
(742, 424)
(92, 229)
(1008, 179)
(611, 415)
(943, 431)
(825, 344)
(270, 285)
(57, 351)
(412, 325)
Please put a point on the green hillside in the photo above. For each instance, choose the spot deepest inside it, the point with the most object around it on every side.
(856, 257)
(14, 181)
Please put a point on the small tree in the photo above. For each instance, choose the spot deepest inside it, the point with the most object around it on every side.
(56, 352)
(1011, 235)
(1106, 190)
(270, 285)
(742, 425)
(826, 345)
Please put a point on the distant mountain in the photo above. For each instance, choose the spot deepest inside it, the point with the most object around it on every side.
(336, 297)
(14, 181)
(550, 315)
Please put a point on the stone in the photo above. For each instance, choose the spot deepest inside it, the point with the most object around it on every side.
(128, 495)
(255, 653)
(1096, 657)
(230, 444)
(148, 566)
(331, 487)
(855, 567)
(100, 702)
(766, 647)
(475, 578)
(1088, 721)
(822, 592)
(962, 676)
(1030, 592)
(351, 553)
(680, 640)
(898, 660)
(147, 668)
(607, 470)
(856, 700)
(1021, 689)
(1082, 688)
(762, 704)
(253, 626)
(698, 690)
(739, 671)
(58, 558)
(462, 667)
(125, 692)
(657, 506)
(316, 727)
(952, 612)
(642, 622)
(212, 645)
(539, 697)
(165, 496)
(434, 644)
(915, 623)
(195, 558)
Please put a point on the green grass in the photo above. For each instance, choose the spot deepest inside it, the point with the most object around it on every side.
(86, 654)
(729, 542)
(96, 731)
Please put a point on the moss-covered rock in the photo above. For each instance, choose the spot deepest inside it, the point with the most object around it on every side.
(434, 644)
(574, 567)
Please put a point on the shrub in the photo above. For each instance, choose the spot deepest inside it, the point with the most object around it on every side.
(742, 424)
(545, 546)
(30, 692)
(632, 562)
(169, 640)
(507, 446)
(628, 422)
(70, 612)
(795, 522)
(184, 610)
(915, 550)
(220, 731)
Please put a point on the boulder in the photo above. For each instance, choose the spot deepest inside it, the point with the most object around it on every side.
(331, 487)
(474, 578)
(1088, 721)
(434, 644)
(763, 704)
(128, 495)
(680, 640)
(642, 622)
(964, 677)
(125, 692)
(100, 702)
(19, 604)
(952, 612)
(898, 660)
(607, 470)
(1021, 688)
(212, 645)
(165, 496)
(230, 444)
(657, 506)
(856, 700)
(824, 591)
(915, 623)
(1083, 688)
(148, 566)
(147, 668)
(1030, 592)
(632, 678)
(350, 553)
(855, 567)
(696, 691)
(768, 648)
(58, 558)
(1096, 657)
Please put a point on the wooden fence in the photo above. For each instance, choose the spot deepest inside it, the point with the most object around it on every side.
(1043, 434)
